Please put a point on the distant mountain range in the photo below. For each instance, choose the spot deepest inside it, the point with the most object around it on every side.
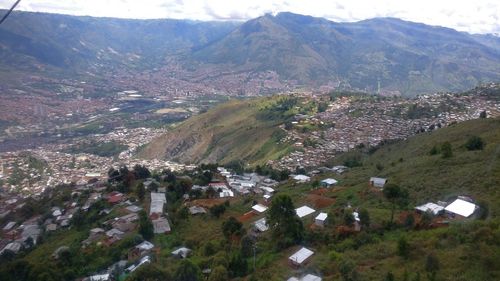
(302, 51)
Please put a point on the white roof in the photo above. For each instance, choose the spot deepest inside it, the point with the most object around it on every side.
(301, 255)
(322, 216)
(378, 182)
(293, 279)
(330, 181)
(356, 216)
(267, 189)
(301, 178)
(261, 225)
(310, 277)
(146, 246)
(259, 208)
(304, 211)
(157, 202)
(226, 193)
(100, 277)
(461, 207)
(430, 207)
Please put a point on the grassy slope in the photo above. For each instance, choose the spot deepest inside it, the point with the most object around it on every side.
(231, 131)
(475, 173)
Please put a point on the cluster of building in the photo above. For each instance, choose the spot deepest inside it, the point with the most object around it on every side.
(53, 166)
(352, 121)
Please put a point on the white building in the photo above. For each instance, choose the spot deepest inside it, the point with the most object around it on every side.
(461, 207)
(320, 219)
(300, 257)
(304, 211)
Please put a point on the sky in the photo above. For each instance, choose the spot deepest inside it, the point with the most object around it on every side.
(473, 16)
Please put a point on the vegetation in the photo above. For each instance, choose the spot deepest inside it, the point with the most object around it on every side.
(105, 149)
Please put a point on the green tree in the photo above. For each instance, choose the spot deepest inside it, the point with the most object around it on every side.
(348, 218)
(389, 276)
(219, 274)
(140, 191)
(431, 266)
(187, 271)
(232, 227)
(483, 114)
(286, 227)
(446, 150)
(246, 244)
(149, 272)
(217, 210)
(403, 247)
(364, 218)
(396, 195)
(238, 266)
(474, 143)
(434, 150)
(146, 228)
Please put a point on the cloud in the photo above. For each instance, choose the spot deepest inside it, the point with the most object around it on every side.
(478, 16)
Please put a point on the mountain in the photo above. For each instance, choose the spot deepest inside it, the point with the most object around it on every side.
(86, 43)
(289, 50)
(409, 57)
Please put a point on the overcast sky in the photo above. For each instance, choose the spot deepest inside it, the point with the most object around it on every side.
(475, 16)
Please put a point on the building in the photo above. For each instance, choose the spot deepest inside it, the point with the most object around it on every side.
(308, 277)
(195, 210)
(259, 208)
(461, 208)
(181, 252)
(431, 208)
(300, 257)
(320, 219)
(158, 200)
(377, 182)
(140, 250)
(328, 182)
(304, 211)
(301, 178)
(161, 225)
(261, 225)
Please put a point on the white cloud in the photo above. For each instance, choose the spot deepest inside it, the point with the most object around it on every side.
(478, 16)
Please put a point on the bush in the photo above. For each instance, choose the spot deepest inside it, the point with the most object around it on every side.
(474, 143)
(446, 150)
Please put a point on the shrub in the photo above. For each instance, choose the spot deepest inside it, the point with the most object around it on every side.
(474, 143)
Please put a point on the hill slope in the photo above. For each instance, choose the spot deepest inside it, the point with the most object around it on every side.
(237, 130)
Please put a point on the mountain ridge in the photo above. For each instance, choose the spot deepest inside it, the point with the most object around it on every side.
(406, 57)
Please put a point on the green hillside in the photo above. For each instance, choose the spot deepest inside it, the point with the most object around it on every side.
(247, 131)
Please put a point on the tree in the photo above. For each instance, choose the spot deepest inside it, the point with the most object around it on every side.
(431, 266)
(146, 228)
(247, 245)
(217, 210)
(141, 172)
(434, 150)
(286, 227)
(149, 272)
(389, 276)
(348, 218)
(396, 195)
(474, 143)
(232, 227)
(446, 150)
(238, 266)
(403, 247)
(219, 274)
(483, 114)
(187, 271)
(140, 191)
(364, 218)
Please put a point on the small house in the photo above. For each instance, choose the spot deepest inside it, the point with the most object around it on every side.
(461, 208)
(304, 211)
(259, 208)
(161, 225)
(320, 219)
(328, 182)
(261, 225)
(431, 208)
(181, 252)
(195, 210)
(308, 277)
(301, 178)
(300, 257)
(377, 182)
(140, 250)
